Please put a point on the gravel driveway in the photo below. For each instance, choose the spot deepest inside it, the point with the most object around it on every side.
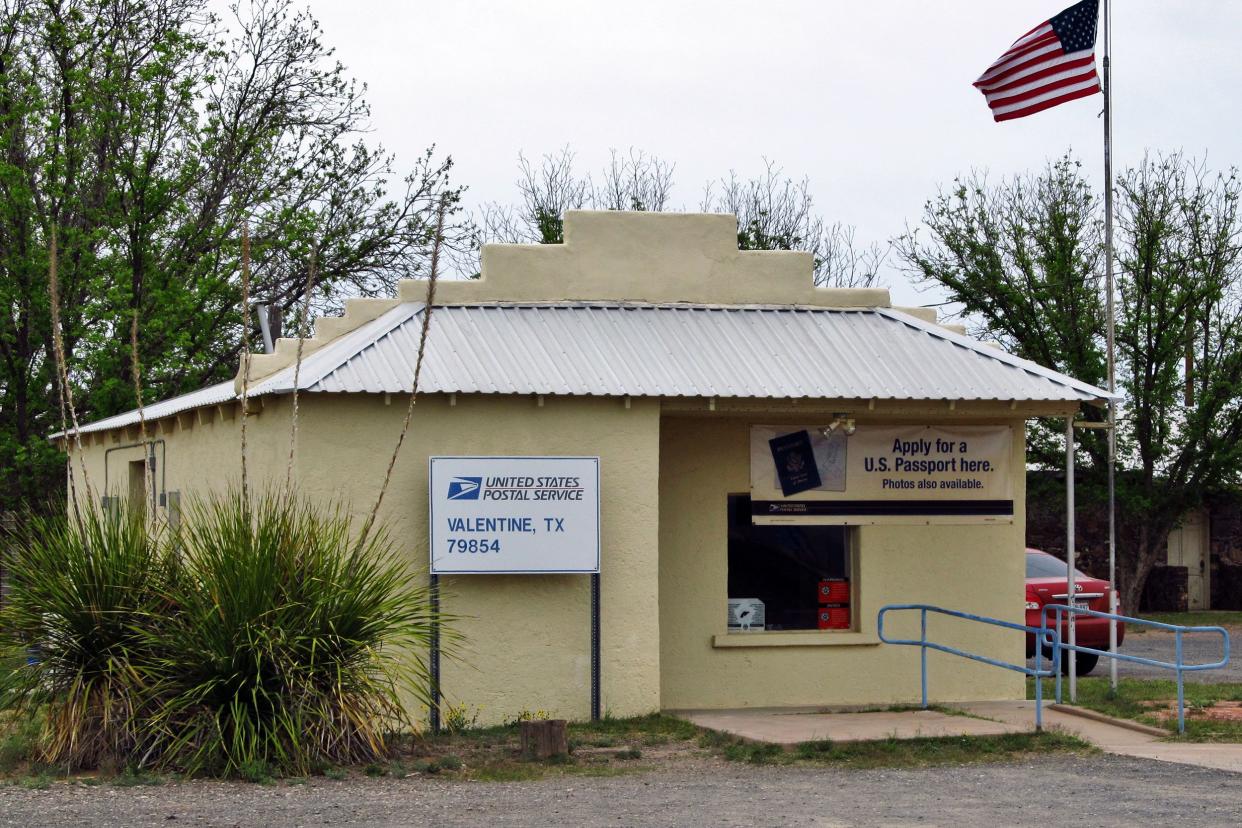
(1107, 791)
(1198, 648)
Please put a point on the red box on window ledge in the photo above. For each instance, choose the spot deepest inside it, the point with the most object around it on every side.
(834, 591)
(834, 617)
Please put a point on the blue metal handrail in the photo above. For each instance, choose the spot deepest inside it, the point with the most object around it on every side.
(1045, 636)
(1178, 666)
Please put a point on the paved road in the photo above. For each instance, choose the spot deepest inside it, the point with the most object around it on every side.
(1199, 648)
(1107, 791)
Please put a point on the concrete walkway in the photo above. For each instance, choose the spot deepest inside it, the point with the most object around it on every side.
(791, 726)
(1112, 738)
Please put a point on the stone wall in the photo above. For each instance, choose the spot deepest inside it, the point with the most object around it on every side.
(1225, 515)
(1045, 522)
(1045, 529)
(1166, 590)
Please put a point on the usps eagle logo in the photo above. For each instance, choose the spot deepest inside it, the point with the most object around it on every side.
(465, 488)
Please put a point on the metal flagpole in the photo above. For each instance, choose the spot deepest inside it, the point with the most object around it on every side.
(1071, 585)
(1112, 362)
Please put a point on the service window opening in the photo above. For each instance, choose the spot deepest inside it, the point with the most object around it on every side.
(787, 577)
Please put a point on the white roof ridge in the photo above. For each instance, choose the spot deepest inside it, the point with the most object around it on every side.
(501, 304)
(322, 362)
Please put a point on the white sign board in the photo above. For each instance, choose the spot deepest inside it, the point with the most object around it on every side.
(493, 515)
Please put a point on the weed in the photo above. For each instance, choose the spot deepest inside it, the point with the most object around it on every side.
(18, 737)
(756, 753)
(131, 778)
(817, 749)
(527, 716)
(451, 762)
(1142, 699)
(36, 782)
(716, 740)
(459, 717)
(336, 773)
(1204, 618)
(255, 770)
(629, 753)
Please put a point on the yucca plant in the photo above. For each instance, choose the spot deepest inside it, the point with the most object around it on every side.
(294, 645)
(84, 597)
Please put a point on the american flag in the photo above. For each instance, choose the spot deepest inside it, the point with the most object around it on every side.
(1049, 65)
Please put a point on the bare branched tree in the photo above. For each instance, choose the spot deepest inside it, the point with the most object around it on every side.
(775, 212)
(635, 181)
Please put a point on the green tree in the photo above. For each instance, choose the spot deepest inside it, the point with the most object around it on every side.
(1179, 340)
(146, 134)
(1023, 260)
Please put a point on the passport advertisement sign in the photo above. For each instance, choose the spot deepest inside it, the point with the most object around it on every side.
(881, 474)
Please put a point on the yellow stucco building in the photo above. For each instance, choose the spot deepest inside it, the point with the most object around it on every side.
(758, 439)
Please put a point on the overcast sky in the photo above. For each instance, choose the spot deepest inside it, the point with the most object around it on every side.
(872, 100)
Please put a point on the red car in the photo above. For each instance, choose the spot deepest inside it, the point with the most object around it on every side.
(1047, 581)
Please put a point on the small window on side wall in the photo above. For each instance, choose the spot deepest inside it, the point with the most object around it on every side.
(788, 577)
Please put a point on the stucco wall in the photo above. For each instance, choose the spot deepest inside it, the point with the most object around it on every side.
(200, 451)
(975, 568)
(664, 486)
(526, 637)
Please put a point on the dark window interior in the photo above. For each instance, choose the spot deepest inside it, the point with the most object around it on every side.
(783, 565)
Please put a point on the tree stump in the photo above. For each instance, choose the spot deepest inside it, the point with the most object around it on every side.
(544, 738)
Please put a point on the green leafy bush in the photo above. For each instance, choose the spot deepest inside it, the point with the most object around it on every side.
(293, 646)
(83, 600)
(261, 636)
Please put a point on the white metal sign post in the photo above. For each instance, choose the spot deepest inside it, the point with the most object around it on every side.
(516, 515)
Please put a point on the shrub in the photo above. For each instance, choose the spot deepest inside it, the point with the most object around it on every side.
(18, 738)
(261, 637)
(294, 645)
(83, 597)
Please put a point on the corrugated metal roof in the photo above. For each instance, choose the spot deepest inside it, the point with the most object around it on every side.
(614, 349)
(677, 351)
(211, 395)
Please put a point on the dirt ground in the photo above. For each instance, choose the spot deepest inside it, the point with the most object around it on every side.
(1107, 791)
